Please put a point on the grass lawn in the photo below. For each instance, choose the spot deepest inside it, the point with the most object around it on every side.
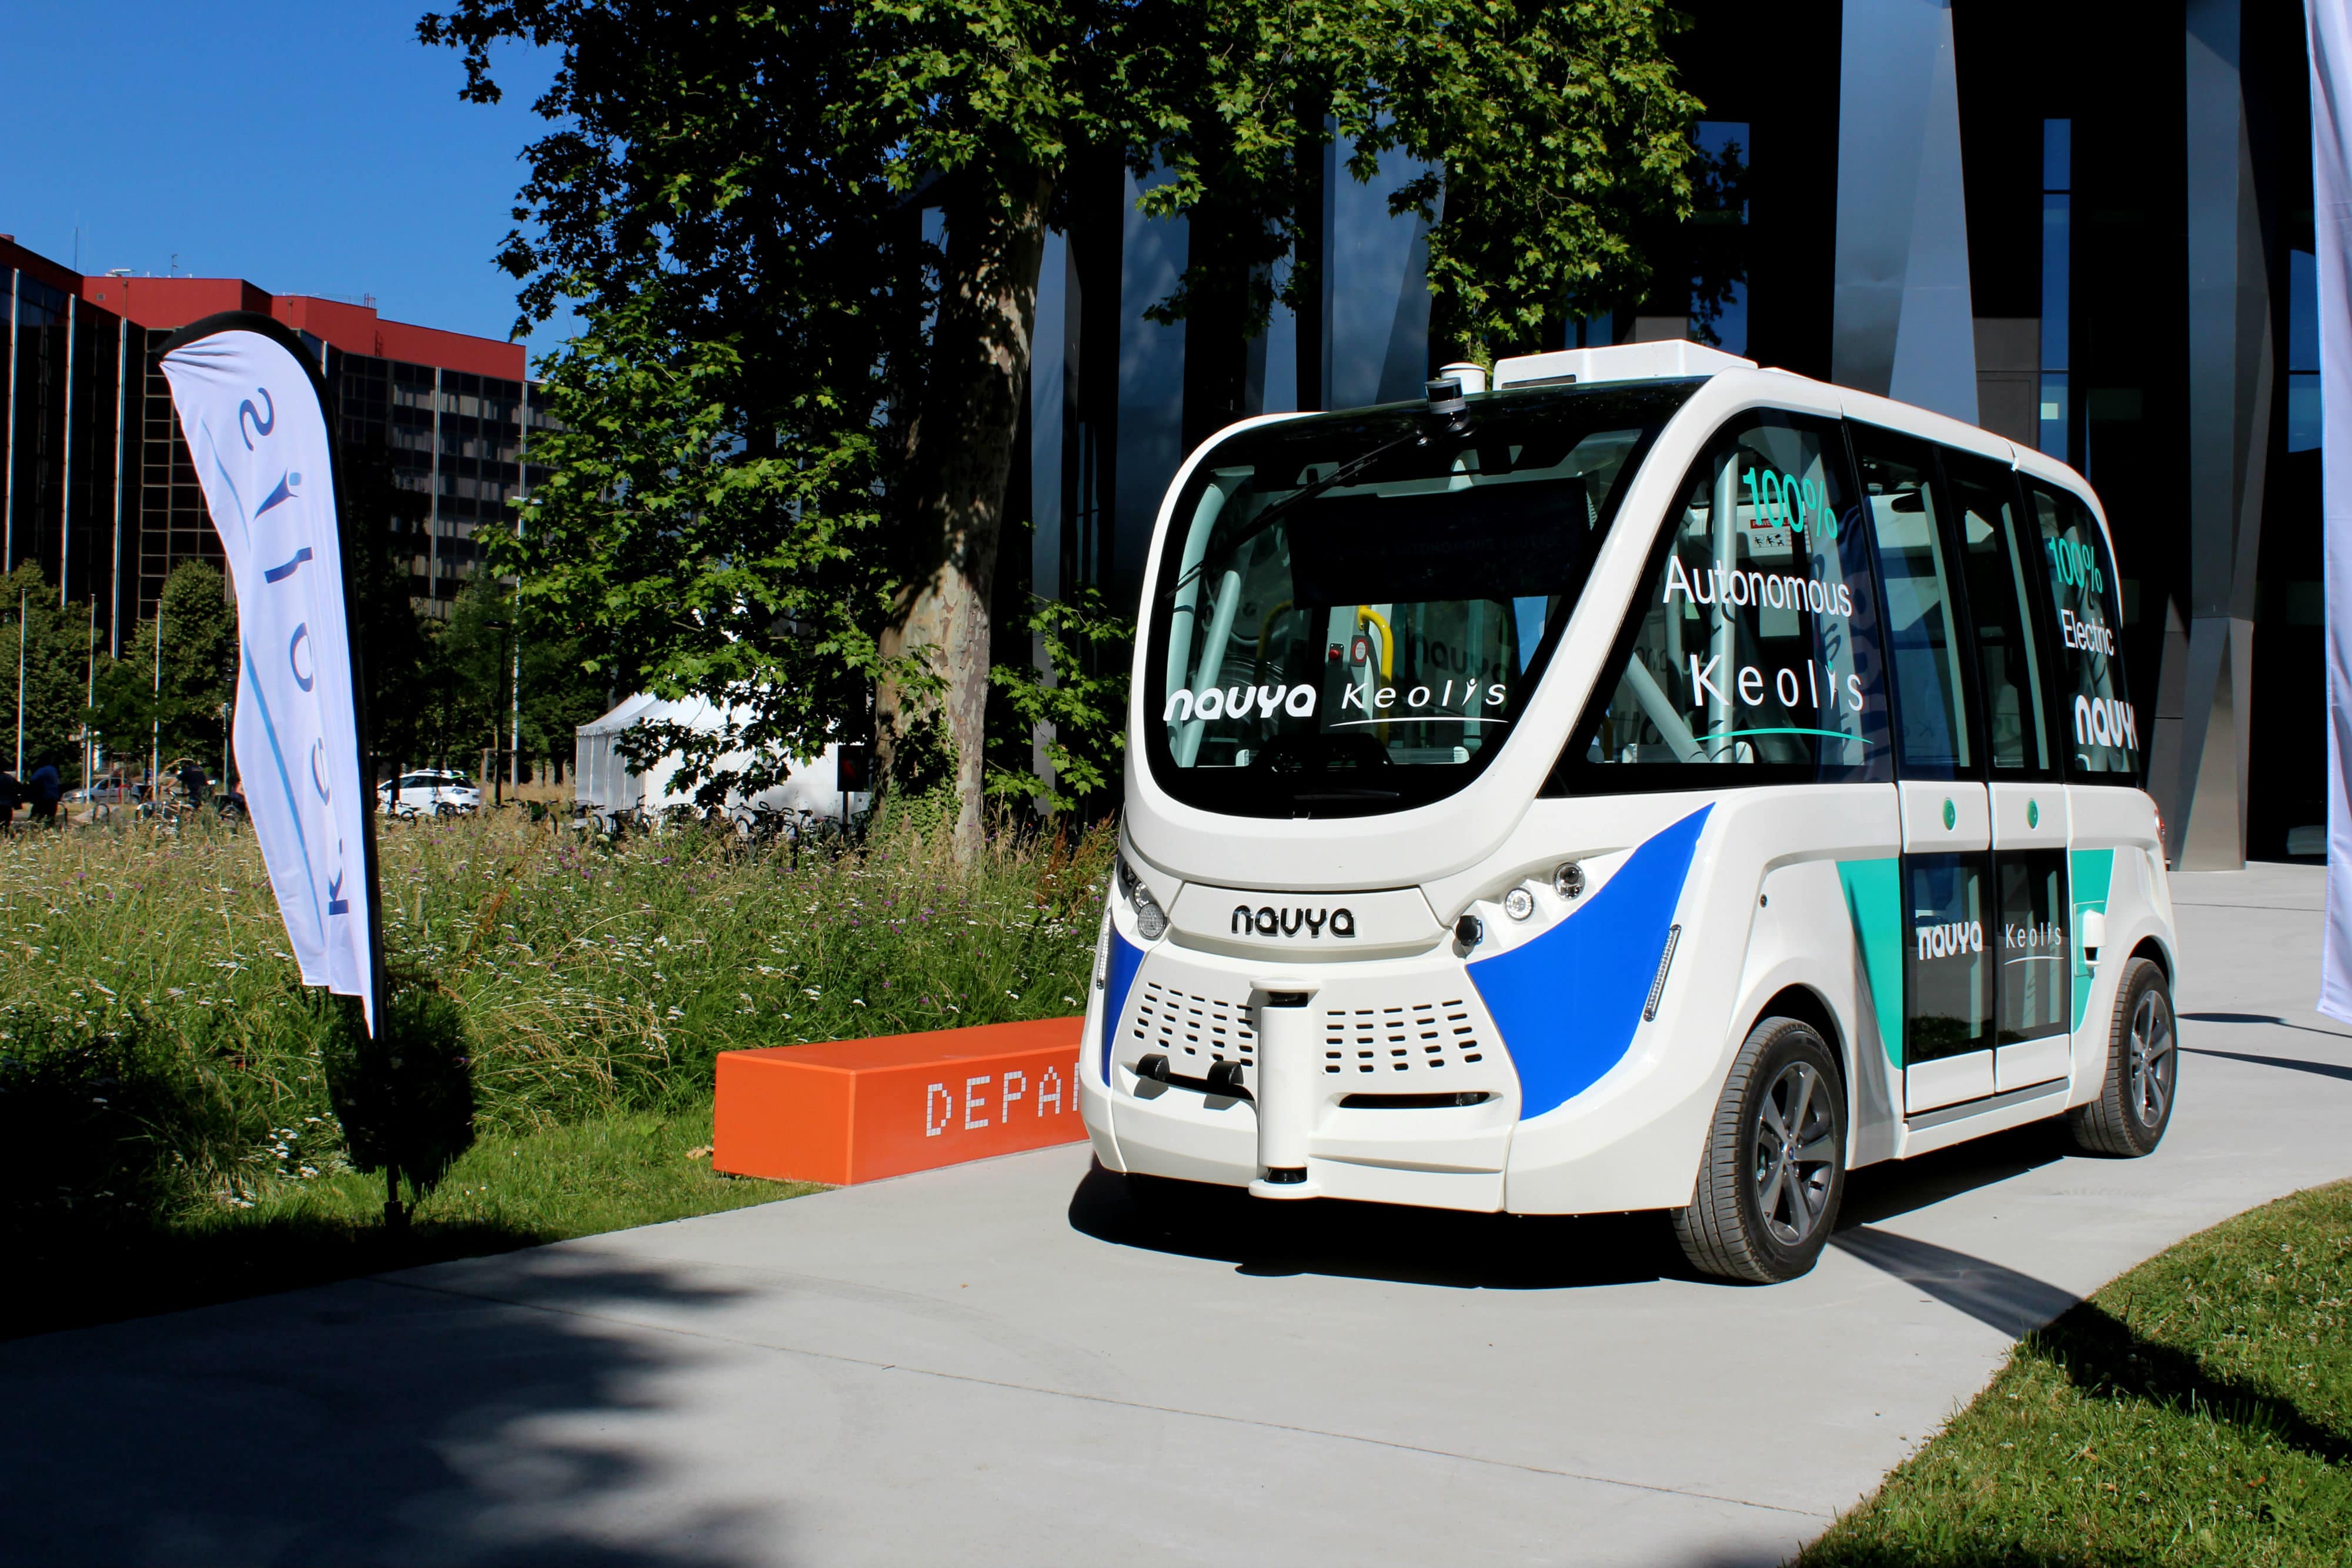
(168, 1135)
(509, 1190)
(2198, 1410)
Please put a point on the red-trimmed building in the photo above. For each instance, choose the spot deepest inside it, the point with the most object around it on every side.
(95, 482)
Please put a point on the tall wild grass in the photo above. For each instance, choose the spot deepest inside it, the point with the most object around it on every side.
(158, 1052)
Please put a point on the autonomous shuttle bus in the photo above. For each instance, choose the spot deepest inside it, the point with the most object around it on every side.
(1653, 783)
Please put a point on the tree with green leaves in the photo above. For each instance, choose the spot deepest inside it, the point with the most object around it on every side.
(383, 523)
(559, 695)
(470, 665)
(790, 424)
(56, 667)
(1073, 711)
(166, 693)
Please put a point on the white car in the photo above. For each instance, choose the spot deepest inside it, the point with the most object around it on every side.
(429, 792)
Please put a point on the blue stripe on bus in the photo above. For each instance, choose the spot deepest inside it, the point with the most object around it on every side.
(1126, 959)
(1568, 1003)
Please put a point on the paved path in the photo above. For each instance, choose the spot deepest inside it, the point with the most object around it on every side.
(998, 1365)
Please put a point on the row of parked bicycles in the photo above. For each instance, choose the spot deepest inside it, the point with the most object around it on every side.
(796, 828)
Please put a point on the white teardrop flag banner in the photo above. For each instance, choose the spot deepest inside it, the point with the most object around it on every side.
(254, 412)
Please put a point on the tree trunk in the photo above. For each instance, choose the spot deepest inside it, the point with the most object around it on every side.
(954, 507)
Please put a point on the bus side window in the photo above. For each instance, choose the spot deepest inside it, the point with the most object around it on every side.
(2098, 728)
(1996, 553)
(1754, 641)
(1923, 642)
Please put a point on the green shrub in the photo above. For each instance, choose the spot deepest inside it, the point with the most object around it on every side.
(405, 1097)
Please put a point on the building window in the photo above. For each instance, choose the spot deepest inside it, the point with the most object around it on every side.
(2302, 352)
(1718, 309)
(2057, 257)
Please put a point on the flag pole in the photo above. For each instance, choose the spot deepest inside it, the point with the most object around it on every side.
(155, 714)
(354, 552)
(214, 406)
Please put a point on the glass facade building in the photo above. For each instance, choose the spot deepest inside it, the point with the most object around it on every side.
(95, 478)
(2087, 232)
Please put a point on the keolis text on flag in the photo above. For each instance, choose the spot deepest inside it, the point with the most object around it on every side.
(257, 434)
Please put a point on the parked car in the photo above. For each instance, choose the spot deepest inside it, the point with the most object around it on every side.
(109, 792)
(429, 792)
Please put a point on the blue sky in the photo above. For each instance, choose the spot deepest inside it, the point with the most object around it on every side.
(312, 149)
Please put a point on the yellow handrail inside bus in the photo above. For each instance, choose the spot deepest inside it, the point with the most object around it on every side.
(1388, 638)
(1365, 612)
(1265, 628)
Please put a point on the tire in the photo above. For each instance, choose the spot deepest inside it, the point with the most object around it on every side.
(2134, 1103)
(1757, 1214)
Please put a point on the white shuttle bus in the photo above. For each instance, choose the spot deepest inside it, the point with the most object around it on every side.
(1654, 783)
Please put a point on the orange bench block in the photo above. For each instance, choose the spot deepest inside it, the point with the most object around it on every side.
(849, 1111)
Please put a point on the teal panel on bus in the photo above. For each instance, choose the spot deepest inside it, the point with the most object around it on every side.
(2092, 871)
(1873, 901)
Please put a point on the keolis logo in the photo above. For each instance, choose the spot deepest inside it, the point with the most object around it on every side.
(1268, 921)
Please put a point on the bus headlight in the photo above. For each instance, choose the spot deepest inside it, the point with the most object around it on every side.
(1519, 903)
(1151, 920)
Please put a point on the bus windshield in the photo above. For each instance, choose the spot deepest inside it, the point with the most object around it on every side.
(1352, 610)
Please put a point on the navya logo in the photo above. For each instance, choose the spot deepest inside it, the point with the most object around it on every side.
(1240, 702)
(1266, 920)
(2105, 721)
(1950, 939)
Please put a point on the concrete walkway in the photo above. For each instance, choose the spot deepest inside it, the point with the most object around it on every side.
(1001, 1364)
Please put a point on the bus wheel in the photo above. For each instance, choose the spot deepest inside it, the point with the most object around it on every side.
(1775, 1164)
(2134, 1104)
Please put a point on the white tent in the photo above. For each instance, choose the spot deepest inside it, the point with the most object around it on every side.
(605, 786)
(600, 779)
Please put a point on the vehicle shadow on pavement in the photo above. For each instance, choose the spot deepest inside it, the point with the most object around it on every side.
(1893, 1187)
(1994, 1294)
(1546, 1253)
(2272, 1019)
(2293, 1064)
(1379, 1240)
(394, 1420)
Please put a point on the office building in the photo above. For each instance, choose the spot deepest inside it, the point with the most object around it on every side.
(435, 430)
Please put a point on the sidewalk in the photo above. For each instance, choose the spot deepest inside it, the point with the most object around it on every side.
(995, 1364)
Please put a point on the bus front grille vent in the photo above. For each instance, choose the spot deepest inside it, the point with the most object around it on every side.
(1421, 1037)
(1193, 1030)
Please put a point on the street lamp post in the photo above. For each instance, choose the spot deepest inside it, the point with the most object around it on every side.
(156, 714)
(497, 768)
(20, 683)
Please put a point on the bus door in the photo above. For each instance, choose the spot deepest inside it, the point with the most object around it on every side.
(1948, 954)
(1998, 552)
(2096, 728)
